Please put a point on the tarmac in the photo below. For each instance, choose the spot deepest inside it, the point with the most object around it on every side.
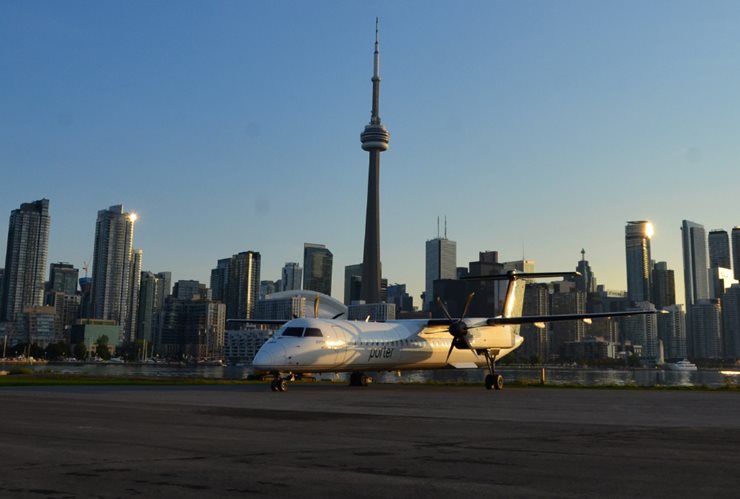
(319, 440)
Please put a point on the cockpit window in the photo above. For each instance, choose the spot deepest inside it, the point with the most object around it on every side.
(313, 331)
(293, 331)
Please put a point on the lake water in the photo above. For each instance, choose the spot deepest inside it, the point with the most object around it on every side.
(555, 375)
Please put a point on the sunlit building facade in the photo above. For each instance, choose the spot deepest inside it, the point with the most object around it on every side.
(637, 245)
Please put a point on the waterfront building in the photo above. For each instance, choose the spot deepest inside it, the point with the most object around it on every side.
(536, 340)
(25, 259)
(566, 299)
(242, 345)
(89, 331)
(190, 290)
(220, 279)
(397, 295)
(165, 289)
(719, 249)
(317, 268)
(672, 331)
(192, 329)
(441, 263)
(719, 279)
(132, 321)
(736, 251)
(242, 289)
(705, 317)
(664, 285)
(375, 312)
(374, 139)
(266, 288)
(637, 245)
(112, 267)
(731, 323)
(694, 243)
(63, 278)
(290, 277)
(67, 308)
(585, 282)
(286, 305)
(149, 306)
(352, 283)
(642, 330)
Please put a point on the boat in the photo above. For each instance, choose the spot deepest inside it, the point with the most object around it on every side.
(681, 365)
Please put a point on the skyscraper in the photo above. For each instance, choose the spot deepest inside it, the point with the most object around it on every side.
(290, 277)
(137, 256)
(220, 279)
(637, 237)
(25, 259)
(705, 317)
(63, 278)
(441, 263)
(317, 268)
(352, 283)
(149, 305)
(719, 249)
(694, 242)
(374, 139)
(585, 282)
(664, 286)
(112, 266)
(736, 251)
(731, 322)
(243, 286)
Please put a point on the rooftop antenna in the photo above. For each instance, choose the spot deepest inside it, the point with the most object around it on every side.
(445, 226)
(437, 226)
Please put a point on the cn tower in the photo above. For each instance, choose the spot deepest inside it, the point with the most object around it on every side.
(374, 140)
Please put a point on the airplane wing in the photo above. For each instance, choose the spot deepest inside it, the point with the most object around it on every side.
(530, 319)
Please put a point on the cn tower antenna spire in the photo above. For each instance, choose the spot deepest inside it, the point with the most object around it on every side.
(374, 139)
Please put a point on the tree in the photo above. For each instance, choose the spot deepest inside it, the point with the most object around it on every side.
(81, 350)
(101, 347)
(56, 350)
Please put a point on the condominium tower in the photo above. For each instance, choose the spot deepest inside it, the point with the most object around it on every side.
(112, 267)
(25, 259)
(637, 244)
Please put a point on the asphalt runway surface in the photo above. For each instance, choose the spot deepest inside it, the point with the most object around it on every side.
(380, 441)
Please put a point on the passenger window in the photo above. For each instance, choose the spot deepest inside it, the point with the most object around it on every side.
(313, 332)
(293, 331)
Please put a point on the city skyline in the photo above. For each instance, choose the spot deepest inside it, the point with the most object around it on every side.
(559, 124)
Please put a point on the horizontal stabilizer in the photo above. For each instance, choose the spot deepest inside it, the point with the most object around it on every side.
(534, 319)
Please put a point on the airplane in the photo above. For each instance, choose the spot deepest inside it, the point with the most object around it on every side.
(317, 345)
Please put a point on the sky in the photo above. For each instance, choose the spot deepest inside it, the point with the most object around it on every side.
(537, 127)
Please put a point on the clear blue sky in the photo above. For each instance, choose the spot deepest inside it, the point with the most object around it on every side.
(536, 127)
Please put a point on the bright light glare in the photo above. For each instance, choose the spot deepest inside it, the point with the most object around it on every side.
(649, 230)
(133, 217)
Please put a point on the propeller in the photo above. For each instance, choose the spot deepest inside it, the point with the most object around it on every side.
(458, 328)
(316, 307)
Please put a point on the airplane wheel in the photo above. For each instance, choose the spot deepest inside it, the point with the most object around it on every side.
(282, 385)
(489, 381)
(274, 386)
(364, 380)
(499, 382)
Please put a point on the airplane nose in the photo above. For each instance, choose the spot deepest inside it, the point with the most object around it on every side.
(269, 357)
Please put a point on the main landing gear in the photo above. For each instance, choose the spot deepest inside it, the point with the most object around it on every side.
(280, 384)
(358, 379)
(493, 380)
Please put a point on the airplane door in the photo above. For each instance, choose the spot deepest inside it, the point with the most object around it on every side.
(339, 340)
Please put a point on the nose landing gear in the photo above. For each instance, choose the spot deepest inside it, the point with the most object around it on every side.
(358, 379)
(280, 384)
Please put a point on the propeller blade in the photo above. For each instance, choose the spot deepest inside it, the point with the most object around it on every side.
(449, 352)
(467, 305)
(316, 307)
(444, 308)
(338, 315)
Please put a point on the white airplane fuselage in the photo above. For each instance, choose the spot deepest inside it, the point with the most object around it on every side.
(329, 345)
